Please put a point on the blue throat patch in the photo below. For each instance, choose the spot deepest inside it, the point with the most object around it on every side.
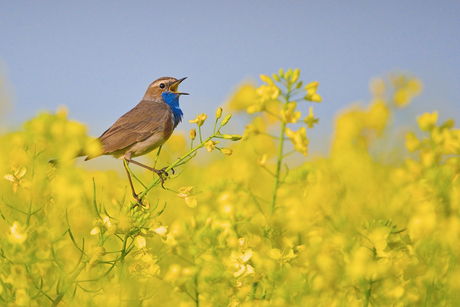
(173, 101)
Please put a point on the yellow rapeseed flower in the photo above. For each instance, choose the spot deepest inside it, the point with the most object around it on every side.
(412, 143)
(16, 177)
(299, 140)
(187, 194)
(427, 121)
(310, 120)
(199, 120)
(290, 115)
(161, 230)
(140, 242)
(406, 89)
(244, 96)
(211, 145)
(265, 94)
(257, 126)
(192, 134)
(311, 92)
(17, 234)
(238, 260)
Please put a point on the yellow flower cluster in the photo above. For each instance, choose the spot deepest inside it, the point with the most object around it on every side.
(266, 94)
(299, 139)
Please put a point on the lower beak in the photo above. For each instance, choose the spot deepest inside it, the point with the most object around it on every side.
(173, 87)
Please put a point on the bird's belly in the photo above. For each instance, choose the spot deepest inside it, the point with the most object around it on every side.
(158, 138)
(147, 145)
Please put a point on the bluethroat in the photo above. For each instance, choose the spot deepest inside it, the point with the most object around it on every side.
(146, 127)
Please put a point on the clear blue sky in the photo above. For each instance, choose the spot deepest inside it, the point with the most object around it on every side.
(98, 57)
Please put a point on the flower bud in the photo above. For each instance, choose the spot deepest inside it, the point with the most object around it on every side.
(226, 151)
(311, 87)
(299, 85)
(276, 78)
(281, 73)
(227, 136)
(266, 79)
(192, 134)
(226, 119)
(313, 97)
(236, 137)
(295, 75)
(219, 113)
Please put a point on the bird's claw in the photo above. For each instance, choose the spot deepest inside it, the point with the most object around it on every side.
(139, 201)
(163, 175)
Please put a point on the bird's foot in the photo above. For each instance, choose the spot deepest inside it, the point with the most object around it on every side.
(139, 201)
(163, 174)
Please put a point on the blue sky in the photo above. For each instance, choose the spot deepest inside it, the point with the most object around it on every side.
(98, 57)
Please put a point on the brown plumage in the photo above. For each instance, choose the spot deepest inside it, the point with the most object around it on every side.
(143, 129)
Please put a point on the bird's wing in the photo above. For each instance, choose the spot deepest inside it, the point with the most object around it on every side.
(136, 125)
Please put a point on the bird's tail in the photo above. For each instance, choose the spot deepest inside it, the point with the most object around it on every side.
(82, 153)
(93, 150)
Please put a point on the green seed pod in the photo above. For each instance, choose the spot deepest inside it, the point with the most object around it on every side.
(226, 119)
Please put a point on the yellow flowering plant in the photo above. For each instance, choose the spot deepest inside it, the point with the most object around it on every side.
(285, 89)
(372, 223)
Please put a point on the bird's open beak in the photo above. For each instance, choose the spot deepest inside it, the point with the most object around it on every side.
(173, 87)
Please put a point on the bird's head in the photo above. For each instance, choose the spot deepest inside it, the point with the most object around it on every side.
(163, 85)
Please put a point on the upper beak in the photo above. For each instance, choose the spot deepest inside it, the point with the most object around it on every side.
(173, 87)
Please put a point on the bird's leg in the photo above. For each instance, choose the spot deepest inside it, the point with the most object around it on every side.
(136, 197)
(159, 172)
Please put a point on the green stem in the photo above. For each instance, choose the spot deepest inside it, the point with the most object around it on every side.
(368, 294)
(289, 153)
(158, 155)
(215, 125)
(196, 290)
(178, 161)
(278, 167)
(94, 199)
(280, 151)
(68, 284)
(253, 291)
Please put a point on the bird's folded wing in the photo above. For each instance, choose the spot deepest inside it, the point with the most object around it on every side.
(136, 125)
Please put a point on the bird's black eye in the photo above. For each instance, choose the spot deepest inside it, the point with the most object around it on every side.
(162, 85)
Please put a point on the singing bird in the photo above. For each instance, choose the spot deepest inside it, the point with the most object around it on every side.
(146, 127)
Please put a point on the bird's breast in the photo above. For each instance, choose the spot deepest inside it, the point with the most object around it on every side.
(168, 126)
